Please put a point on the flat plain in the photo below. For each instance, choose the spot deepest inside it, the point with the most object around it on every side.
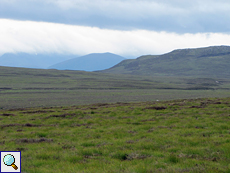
(21, 87)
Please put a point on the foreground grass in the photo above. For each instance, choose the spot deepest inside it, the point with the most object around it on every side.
(170, 136)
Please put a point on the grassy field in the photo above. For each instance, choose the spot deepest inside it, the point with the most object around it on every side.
(165, 136)
(21, 87)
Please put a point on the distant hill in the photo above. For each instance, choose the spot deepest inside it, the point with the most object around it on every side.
(32, 60)
(210, 62)
(91, 62)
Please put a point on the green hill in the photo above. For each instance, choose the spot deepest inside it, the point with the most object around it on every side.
(201, 62)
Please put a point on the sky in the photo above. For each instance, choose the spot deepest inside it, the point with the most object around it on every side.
(129, 28)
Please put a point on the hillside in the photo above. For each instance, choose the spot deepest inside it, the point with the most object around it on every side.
(91, 62)
(32, 60)
(201, 62)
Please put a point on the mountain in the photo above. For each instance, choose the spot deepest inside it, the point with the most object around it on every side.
(32, 60)
(91, 62)
(209, 61)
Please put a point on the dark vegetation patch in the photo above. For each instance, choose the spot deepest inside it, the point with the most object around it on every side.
(21, 149)
(156, 107)
(5, 88)
(48, 107)
(93, 108)
(120, 156)
(196, 107)
(17, 109)
(31, 125)
(100, 104)
(8, 114)
(37, 111)
(122, 103)
(10, 125)
(217, 103)
(129, 157)
(25, 125)
(51, 75)
(31, 140)
(63, 115)
(79, 125)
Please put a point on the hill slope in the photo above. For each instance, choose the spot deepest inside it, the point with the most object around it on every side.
(209, 62)
(32, 60)
(91, 62)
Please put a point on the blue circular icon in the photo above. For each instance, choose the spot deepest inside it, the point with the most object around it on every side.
(9, 159)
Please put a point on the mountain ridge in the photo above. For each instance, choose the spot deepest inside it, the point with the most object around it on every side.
(90, 62)
(28, 60)
(211, 61)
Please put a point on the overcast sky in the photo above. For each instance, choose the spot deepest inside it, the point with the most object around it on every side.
(125, 27)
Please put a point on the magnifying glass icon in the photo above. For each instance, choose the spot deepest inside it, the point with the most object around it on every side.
(9, 160)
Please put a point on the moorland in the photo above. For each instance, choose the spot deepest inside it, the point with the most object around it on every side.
(77, 121)
(22, 87)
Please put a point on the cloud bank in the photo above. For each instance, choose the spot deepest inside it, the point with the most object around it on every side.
(160, 15)
(44, 37)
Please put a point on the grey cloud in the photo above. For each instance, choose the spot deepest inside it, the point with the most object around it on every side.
(160, 15)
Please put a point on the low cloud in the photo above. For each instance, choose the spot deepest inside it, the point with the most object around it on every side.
(43, 37)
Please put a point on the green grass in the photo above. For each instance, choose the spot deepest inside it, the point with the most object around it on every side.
(166, 136)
